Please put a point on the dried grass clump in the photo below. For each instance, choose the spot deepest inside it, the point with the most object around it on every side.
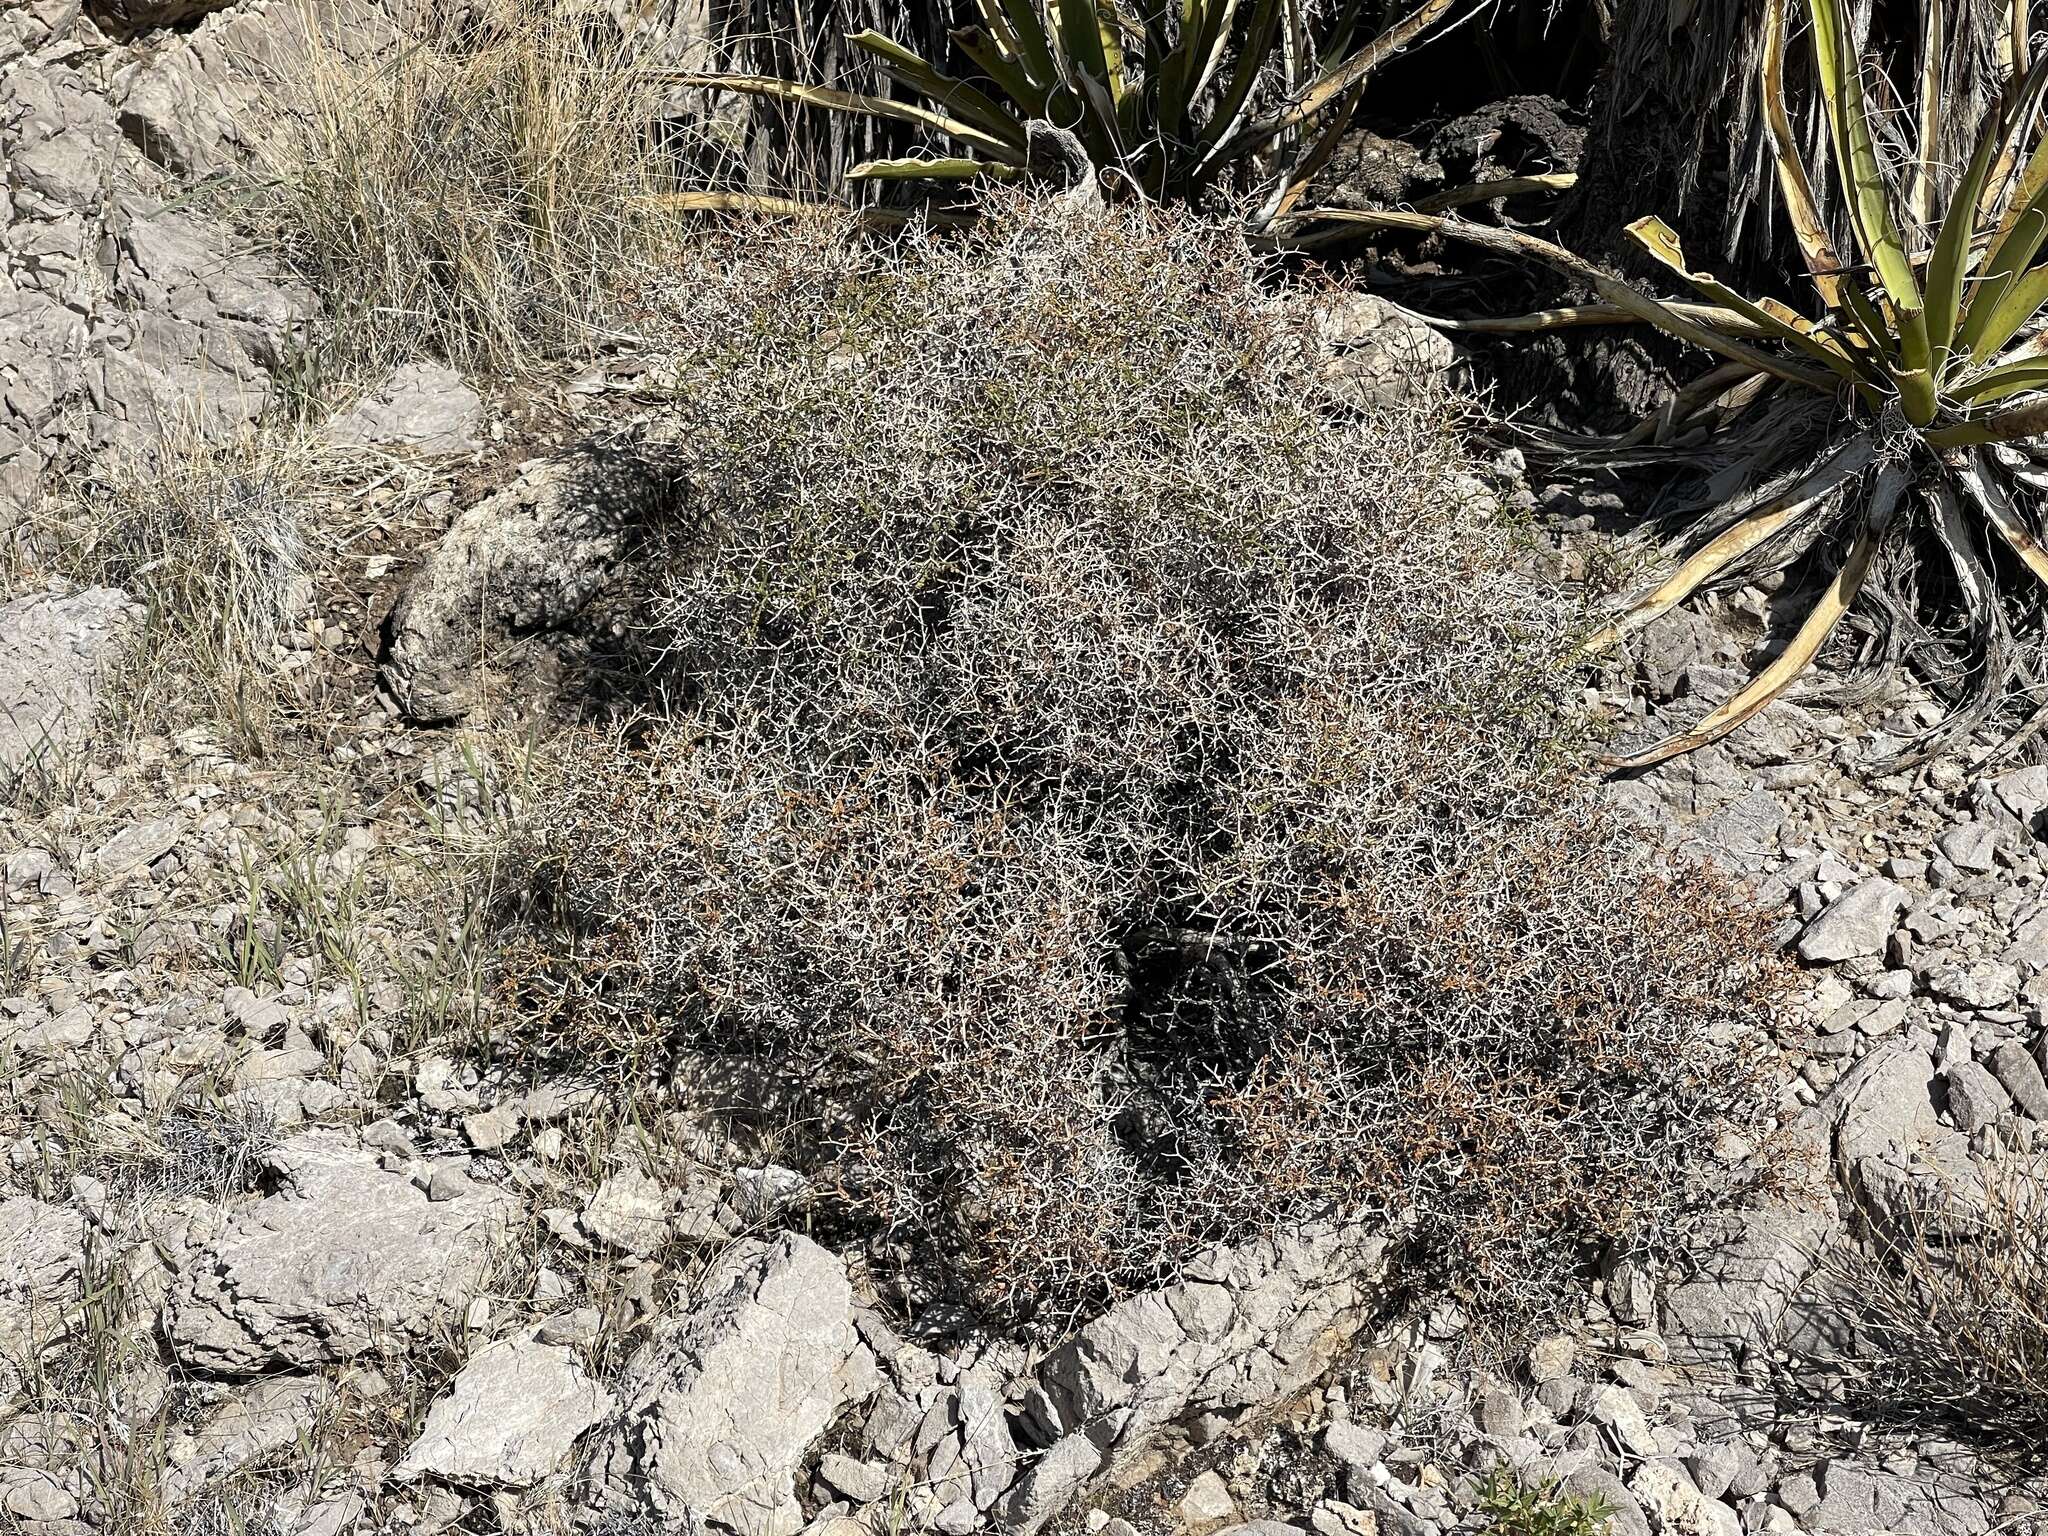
(1944, 1322)
(480, 192)
(1130, 805)
(220, 544)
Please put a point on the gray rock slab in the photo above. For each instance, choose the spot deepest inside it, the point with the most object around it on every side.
(720, 1408)
(346, 1259)
(509, 1418)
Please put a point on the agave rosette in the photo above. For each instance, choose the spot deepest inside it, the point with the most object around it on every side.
(1906, 404)
(1164, 96)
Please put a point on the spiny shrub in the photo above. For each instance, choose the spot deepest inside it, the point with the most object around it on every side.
(1128, 803)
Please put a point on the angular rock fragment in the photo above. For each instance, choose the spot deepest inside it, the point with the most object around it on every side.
(719, 1410)
(345, 1259)
(41, 1276)
(424, 407)
(55, 650)
(1855, 924)
(1246, 1326)
(510, 1417)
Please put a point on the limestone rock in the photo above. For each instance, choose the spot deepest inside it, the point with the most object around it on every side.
(629, 1211)
(1246, 1326)
(1751, 1262)
(40, 1280)
(1676, 1507)
(2021, 1077)
(54, 653)
(1855, 924)
(722, 1405)
(425, 407)
(1370, 353)
(525, 559)
(345, 1259)
(510, 1417)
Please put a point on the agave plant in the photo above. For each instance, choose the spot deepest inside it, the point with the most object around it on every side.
(1905, 404)
(1163, 95)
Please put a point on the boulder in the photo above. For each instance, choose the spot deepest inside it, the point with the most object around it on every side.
(720, 1408)
(525, 559)
(345, 1259)
(510, 1417)
(55, 650)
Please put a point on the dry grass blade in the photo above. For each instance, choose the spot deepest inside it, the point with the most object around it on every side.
(1947, 1332)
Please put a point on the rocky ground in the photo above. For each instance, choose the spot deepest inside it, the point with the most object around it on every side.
(284, 1252)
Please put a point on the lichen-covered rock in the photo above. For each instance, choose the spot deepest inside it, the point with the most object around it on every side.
(720, 1408)
(525, 559)
(345, 1259)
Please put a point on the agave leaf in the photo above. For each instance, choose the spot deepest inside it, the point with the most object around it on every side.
(1171, 66)
(1354, 70)
(928, 168)
(1032, 40)
(1812, 634)
(1211, 41)
(2020, 301)
(1662, 424)
(1260, 32)
(2011, 252)
(738, 202)
(2018, 377)
(954, 96)
(1487, 191)
(990, 57)
(2018, 236)
(847, 101)
(1303, 172)
(1793, 181)
(1515, 242)
(2007, 426)
(1933, 42)
(1947, 266)
(1089, 44)
(1841, 79)
(1731, 544)
(1598, 314)
(1991, 497)
(1870, 208)
(1657, 238)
